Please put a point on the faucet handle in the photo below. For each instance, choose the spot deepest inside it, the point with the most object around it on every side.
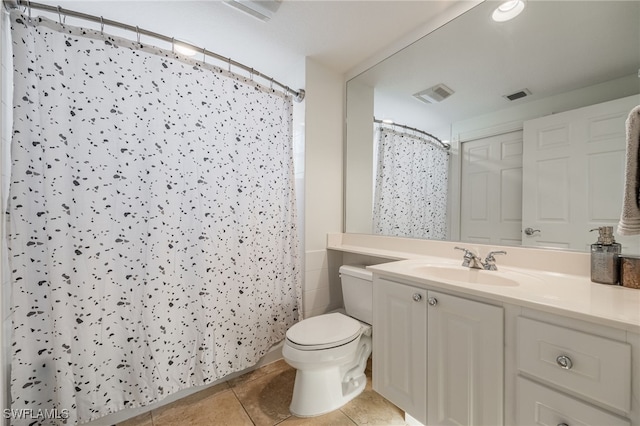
(489, 261)
(466, 251)
(471, 260)
(492, 253)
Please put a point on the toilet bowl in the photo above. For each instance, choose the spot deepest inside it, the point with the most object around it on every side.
(330, 351)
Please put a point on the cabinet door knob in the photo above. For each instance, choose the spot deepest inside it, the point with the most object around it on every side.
(564, 362)
(417, 297)
(433, 301)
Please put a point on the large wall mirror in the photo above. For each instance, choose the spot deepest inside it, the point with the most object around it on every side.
(535, 122)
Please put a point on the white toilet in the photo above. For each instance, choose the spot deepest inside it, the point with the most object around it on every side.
(330, 351)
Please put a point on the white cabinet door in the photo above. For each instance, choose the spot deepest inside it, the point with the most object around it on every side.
(573, 173)
(465, 362)
(400, 345)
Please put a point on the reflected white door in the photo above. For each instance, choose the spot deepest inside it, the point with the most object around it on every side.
(573, 173)
(491, 190)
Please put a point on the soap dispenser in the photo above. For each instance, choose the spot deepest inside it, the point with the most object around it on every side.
(605, 261)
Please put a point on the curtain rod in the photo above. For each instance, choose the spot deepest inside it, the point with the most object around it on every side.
(444, 145)
(298, 96)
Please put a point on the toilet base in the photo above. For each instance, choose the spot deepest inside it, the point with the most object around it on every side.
(320, 391)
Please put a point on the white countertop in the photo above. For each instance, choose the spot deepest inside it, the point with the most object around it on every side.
(564, 294)
(555, 281)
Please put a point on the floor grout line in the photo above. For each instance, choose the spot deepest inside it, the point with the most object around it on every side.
(235, 395)
(248, 401)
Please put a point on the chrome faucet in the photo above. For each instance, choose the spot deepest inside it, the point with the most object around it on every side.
(490, 261)
(471, 260)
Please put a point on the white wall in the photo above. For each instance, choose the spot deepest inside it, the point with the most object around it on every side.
(478, 126)
(323, 186)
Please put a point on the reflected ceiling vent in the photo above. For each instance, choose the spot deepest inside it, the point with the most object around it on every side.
(518, 95)
(260, 9)
(435, 94)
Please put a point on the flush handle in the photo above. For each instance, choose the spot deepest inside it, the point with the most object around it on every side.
(564, 362)
(417, 297)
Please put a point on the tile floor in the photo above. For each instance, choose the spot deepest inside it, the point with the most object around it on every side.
(262, 398)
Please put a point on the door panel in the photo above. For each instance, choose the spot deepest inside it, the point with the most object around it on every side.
(465, 368)
(400, 346)
(491, 194)
(573, 173)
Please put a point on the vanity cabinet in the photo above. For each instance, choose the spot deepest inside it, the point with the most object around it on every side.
(569, 377)
(437, 356)
(539, 405)
(465, 353)
(400, 345)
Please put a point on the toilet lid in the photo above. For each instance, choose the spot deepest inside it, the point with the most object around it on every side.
(329, 329)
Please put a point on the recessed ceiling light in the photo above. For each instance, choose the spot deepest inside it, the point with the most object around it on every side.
(508, 10)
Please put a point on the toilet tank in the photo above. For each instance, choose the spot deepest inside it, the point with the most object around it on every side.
(357, 291)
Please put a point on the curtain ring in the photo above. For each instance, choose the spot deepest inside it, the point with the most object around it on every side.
(138, 34)
(204, 56)
(252, 71)
(59, 15)
(101, 25)
(29, 8)
(229, 64)
(271, 83)
(173, 45)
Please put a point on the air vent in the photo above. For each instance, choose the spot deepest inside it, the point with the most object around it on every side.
(261, 9)
(518, 95)
(435, 94)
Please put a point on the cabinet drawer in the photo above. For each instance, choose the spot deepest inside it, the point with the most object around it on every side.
(539, 405)
(588, 365)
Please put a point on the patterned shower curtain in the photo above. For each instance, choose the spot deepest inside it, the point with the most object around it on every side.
(410, 198)
(153, 241)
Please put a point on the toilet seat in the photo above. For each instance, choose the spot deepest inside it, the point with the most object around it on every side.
(323, 332)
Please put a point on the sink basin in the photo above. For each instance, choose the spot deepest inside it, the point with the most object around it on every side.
(468, 275)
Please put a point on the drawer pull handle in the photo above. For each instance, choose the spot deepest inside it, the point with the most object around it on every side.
(566, 363)
(417, 297)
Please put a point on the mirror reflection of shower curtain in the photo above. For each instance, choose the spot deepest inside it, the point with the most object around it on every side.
(410, 196)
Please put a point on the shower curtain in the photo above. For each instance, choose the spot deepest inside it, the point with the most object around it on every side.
(410, 198)
(153, 241)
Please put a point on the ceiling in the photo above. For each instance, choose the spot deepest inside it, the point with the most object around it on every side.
(552, 48)
(337, 34)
